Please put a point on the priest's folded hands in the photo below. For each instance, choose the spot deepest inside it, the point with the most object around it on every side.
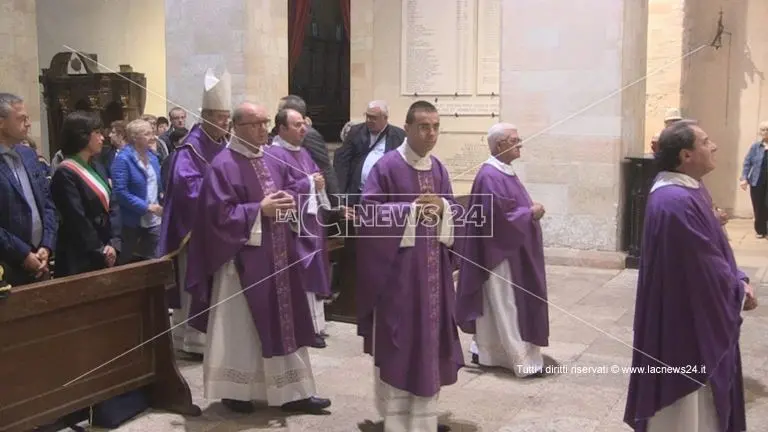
(319, 181)
(538, 211)
(279, 201)
(750, 302)
(429, 207)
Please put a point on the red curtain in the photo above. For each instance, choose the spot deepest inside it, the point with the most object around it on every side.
(345, 15)
(298, 27)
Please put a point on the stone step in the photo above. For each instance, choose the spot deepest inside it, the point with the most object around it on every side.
(584, 258)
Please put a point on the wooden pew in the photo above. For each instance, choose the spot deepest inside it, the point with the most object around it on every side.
(54, 332)
(342, 309)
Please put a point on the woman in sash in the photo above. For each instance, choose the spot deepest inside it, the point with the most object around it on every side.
(89, 225)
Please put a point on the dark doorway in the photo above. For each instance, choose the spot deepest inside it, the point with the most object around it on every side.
(319, 61)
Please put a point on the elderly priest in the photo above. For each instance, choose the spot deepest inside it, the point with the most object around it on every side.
(502, 288)
(690, 295)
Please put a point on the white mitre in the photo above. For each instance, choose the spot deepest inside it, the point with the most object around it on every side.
(217, 94)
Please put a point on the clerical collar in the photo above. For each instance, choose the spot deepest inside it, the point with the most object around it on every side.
(239, 146)
(501, 166)
(670, 178)
(285, 144)
(222, 140)
(413, 159)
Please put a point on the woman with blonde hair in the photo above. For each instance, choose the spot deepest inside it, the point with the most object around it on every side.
(136, 179)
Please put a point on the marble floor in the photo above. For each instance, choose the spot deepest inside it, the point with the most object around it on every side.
(591, 316)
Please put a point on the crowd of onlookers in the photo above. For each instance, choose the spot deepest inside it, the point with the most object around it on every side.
(96, 204)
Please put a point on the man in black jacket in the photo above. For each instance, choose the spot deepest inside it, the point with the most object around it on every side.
(178, 118)
(364, 144)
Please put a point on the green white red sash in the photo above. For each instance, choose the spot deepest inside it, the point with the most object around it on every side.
(92, 179)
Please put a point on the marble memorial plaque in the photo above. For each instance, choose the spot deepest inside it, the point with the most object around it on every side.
(438, 46)
(488, 47)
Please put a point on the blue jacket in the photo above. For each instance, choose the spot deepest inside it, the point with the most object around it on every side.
(752, 163)
(16, 215)
(129, 184)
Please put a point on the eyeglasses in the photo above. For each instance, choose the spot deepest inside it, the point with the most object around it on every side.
(262, 123)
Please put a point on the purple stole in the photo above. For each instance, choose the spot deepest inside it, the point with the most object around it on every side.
(427, 186)
(280, 249)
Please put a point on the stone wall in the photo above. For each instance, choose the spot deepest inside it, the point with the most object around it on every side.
(665, 47)
(18, 50)
(570, 105)
(249, 38)
(266, 53)
(722, 88)
(725, 89)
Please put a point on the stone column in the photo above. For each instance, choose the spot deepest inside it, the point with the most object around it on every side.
(266, 54)
(247, 37)
(665, 46)
(725, 90)
(361, 57)
(18, 48)
(560, 63)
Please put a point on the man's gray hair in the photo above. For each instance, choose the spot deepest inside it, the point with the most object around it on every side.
(497, 133)
(381, 105)
(7, 101)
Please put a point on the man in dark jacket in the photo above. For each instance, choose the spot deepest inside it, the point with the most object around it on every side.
(364, 144)
(28, 222)
(178, 118)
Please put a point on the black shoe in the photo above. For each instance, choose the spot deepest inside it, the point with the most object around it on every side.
(476, 359)
(311, 405)
(192, 356)
(443, 428)
(243, 407)
(319, 342)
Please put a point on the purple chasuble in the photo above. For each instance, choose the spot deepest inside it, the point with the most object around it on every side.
(410, 289)
(230, 199)
(510, 234)
(687, 311)
(312, 241)
(187, 167)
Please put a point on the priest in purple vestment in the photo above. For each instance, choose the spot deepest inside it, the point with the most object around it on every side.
(187, 167)
(690, 296)
(244, 277)
(405, 291)
(501, 296)
(309, 191)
